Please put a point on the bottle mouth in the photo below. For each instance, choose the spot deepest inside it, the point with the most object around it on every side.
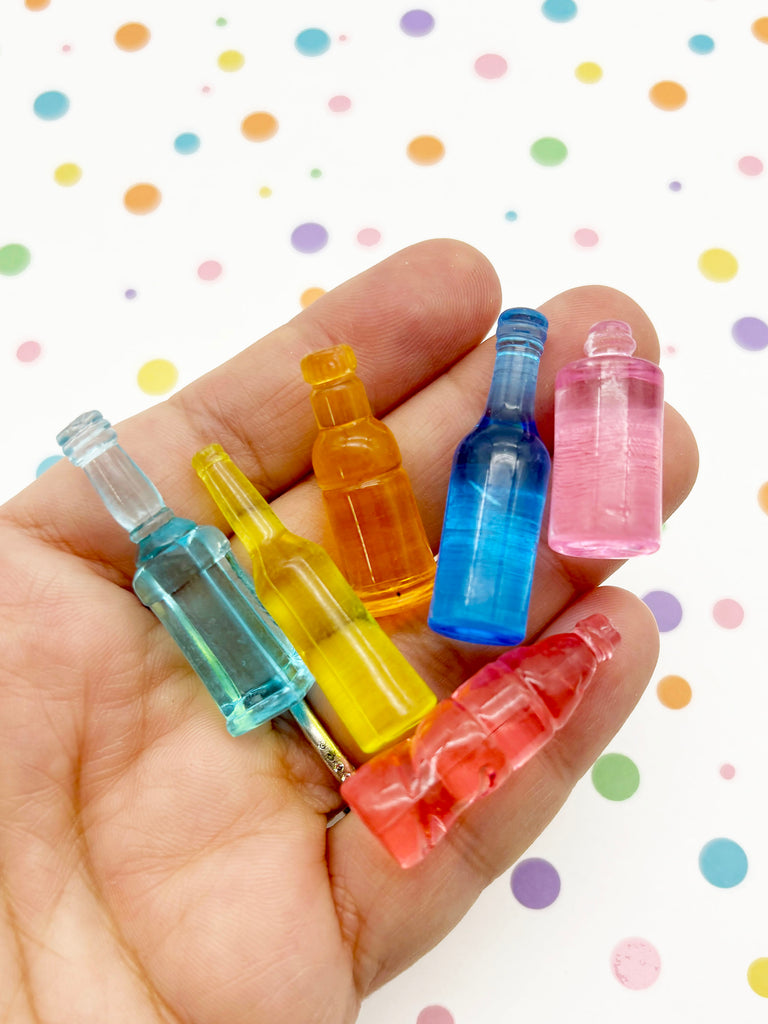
(599, 633)
(87, 436)
(522, 324)
(207, 456)
(327, 365)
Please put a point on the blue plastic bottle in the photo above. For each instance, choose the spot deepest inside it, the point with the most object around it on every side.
(495, 500)
(188, 576)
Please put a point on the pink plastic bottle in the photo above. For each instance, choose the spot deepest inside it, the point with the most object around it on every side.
(410, 795)
(606, 469)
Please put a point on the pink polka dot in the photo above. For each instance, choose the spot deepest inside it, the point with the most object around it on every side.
(206, 89)
(728, 613)
(635, 963)
(586, 237)
(751, 165)
(491, 65)
(338, 104)
(435, 1015)
(209, 270)
(369, 236)
(28, 351)
(727, 771)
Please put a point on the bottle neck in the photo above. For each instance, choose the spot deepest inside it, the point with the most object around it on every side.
(340, 401)
(244, 508)
(129, 496)
(512, 393)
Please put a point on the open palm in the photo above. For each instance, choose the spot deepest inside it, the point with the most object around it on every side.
(152, 868)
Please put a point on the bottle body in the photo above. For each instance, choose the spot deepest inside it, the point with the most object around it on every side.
(607, 466)
(379, 538)
(376, 693)
(495, 502)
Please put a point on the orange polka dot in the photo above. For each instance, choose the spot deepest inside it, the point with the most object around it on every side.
(426, 149)
(310, 295)
(36, 5)
(762, 497)
(259, 126)
(142, 198)
(132, 36)
(674, 692)
(760, 29)
(668, 95)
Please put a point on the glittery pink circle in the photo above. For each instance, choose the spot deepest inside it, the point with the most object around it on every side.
(586, 237)
(209, 270)
(635, 963)
(28, 351)
(369, 236)
(728, 613)
(491, 65)
(435, 1015)
(727, 771)
(338, 104)
(751, 165)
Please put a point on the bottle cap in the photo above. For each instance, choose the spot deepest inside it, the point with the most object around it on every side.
(328, 364)
(522, 324)
(610, 338)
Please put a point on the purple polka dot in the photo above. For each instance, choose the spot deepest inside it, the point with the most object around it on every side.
(750, 333)
(417, 23)
(535, 883)
(666, 609)
(309, 237)
(675, 186)
(130, 293)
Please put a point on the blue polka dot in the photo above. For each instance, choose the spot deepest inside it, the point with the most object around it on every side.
(186, 143)
(49, 106)
(47, 463)
(559, 10)
(723, 863)
(701, 44)
(510, 215)
(312, 42)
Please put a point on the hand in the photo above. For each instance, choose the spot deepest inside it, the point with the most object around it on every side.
(154, 869)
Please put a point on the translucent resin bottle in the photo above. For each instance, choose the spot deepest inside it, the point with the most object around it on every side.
(380, 542)
(410, 795)
(186, 574)
(495, 501)
(375, 692)
(606, 472)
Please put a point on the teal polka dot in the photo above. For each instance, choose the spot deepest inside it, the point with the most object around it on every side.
(186, 143)
(47, 463)
(723, 863)
(510, 215)
(50, 106)
(312, 42)
(701, 44)
(559, 10)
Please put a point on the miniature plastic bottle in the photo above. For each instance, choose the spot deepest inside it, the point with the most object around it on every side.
(186, 574)
(606, 471)
(410, 795)
(495, 501)
(381, 545)
(376, 693)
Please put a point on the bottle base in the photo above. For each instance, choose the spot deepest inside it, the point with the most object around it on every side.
(397, 598)
(476, 634)
(604, 547)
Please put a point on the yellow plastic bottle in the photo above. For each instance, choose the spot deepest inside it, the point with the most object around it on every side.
(375, 692)
(381, 544)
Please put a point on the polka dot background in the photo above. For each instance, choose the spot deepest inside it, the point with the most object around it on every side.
(160, 222)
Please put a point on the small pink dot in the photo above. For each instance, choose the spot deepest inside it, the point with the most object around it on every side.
(670, 350)
(586, 237)
(635, 963)
(28, 351)
(435, 1015)
(727, 771)
(728, 613)
(66, 48)
(209, 270)
(342, 39)
(751, 165)
(369, 236)
(338, 104)
(491, 65)
(206, 89)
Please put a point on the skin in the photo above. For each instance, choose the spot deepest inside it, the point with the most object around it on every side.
(151, 867)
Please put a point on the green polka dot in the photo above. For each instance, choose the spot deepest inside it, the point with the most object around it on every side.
(549, 152)
(14, 258)
(615, 776)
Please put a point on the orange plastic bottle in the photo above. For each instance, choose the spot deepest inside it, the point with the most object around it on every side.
(381, 544)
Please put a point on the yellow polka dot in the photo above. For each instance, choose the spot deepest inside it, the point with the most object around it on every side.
(674, 692)
(142, 198)
(231, 60)
(426, 149)
(157, 377)
(757, 972)
(718, 265)
(265, 191)
(668, 95)
(762, 497)
(310, 295)
(259, 126)
(67, 174)
(132, 36)
(760, 29)
(589, 72)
